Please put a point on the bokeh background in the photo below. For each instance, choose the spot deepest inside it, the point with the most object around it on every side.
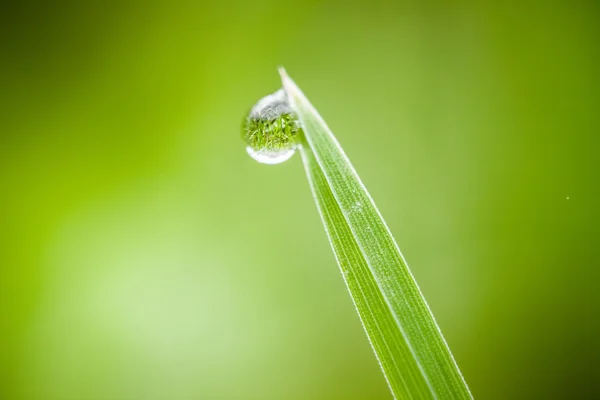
(144, 255)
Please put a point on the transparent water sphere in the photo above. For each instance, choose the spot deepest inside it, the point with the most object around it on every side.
(270, 129)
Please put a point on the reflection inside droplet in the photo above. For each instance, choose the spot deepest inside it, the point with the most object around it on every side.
(270, 129)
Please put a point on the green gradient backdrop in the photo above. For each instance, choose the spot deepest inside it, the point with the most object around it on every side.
(144, 255)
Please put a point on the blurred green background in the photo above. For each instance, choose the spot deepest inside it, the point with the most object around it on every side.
(144, 255)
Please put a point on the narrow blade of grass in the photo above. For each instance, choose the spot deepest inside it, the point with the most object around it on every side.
(408, 343)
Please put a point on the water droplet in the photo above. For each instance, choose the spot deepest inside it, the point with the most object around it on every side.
(270, 129)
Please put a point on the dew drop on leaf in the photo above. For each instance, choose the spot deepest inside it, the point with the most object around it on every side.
(270, 129)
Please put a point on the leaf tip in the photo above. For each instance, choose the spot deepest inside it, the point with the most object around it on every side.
(282, 73)
(288, 85)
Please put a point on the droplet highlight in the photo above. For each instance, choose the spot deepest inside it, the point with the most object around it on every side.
(270, 129)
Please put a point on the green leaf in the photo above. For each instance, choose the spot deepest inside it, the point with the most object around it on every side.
(408, 343)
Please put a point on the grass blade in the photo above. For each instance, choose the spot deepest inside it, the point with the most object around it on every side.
(408, 344)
